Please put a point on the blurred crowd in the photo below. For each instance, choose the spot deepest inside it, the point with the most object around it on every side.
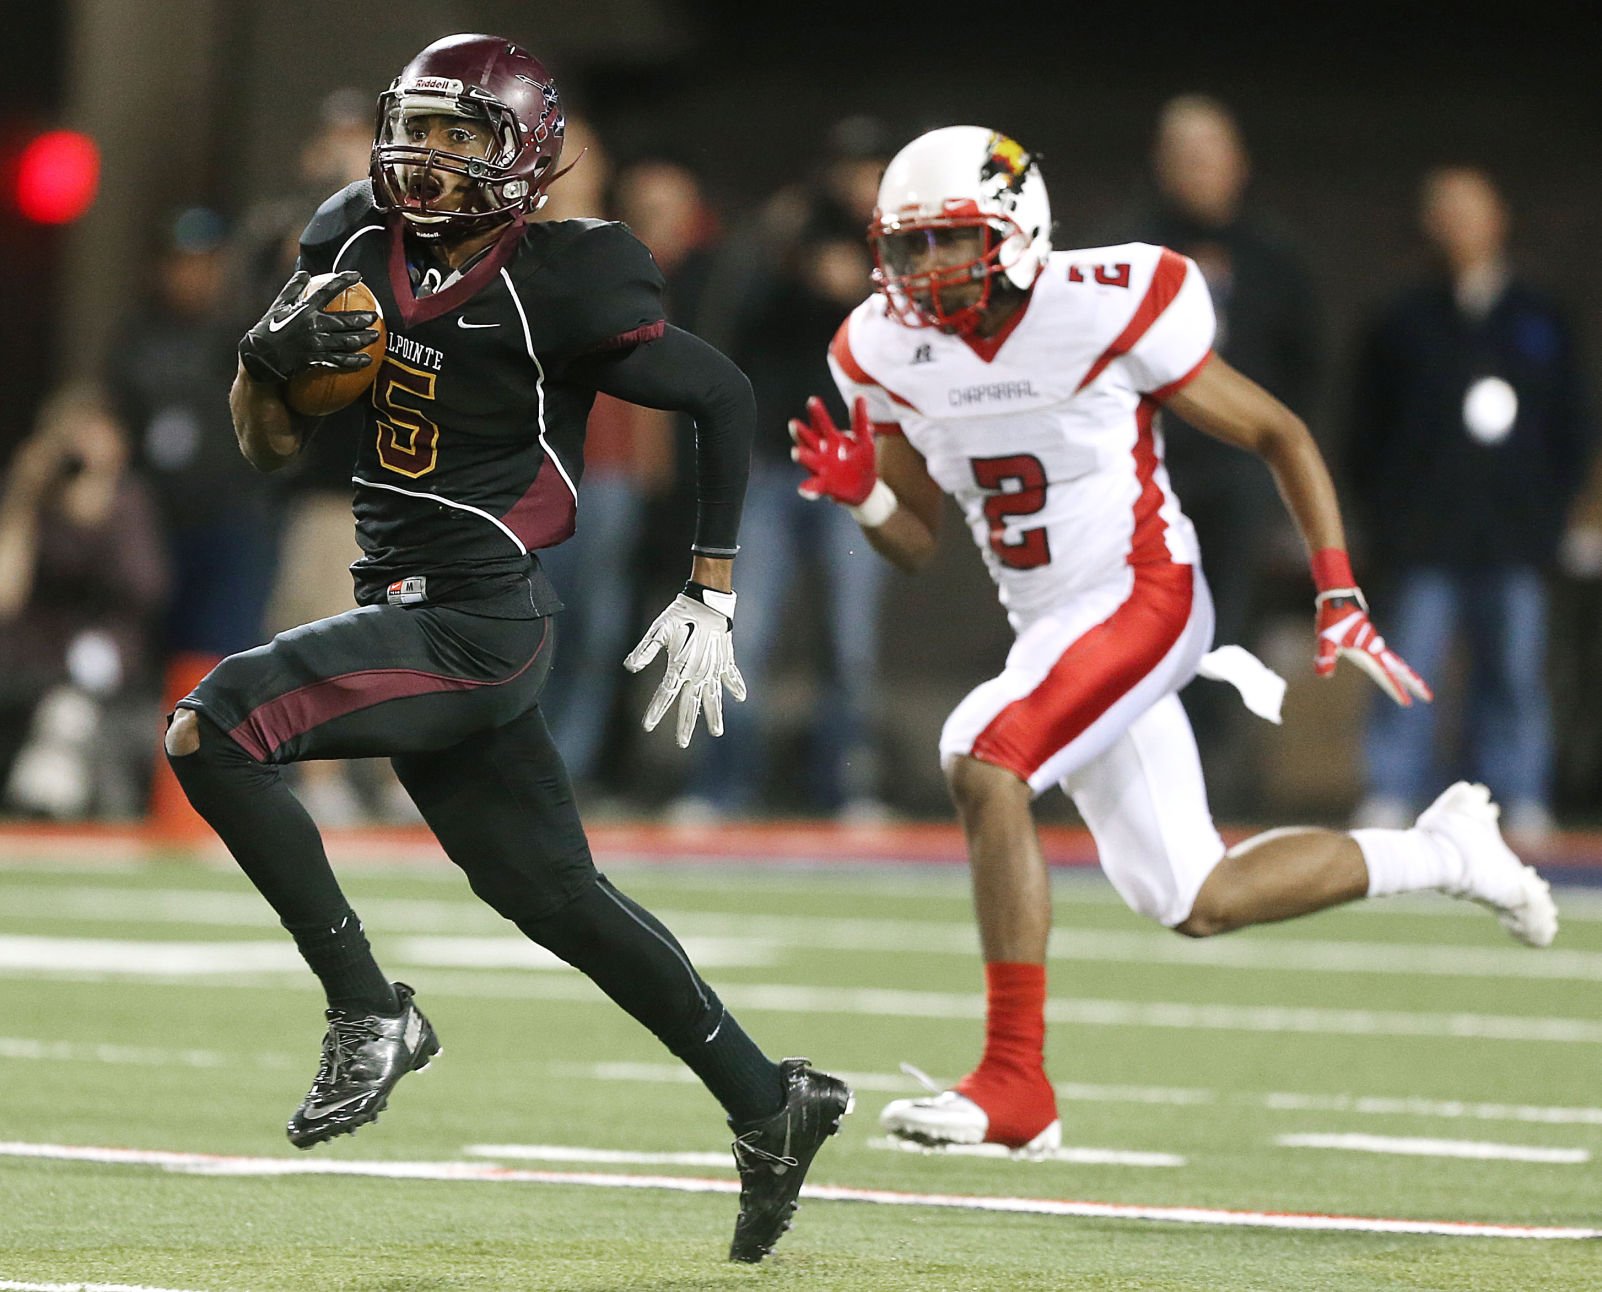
(137, 547)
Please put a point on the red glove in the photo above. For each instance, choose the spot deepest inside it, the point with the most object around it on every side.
(1344, 630)
(842, 462)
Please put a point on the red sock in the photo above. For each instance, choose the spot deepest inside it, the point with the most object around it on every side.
(1010, 1083)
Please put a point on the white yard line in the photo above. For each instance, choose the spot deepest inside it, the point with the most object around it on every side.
(715, 951)
(142, 958)
(12, 1285)
(207, 964)
(597, 1156)
(119, 958)
(210, 1164)
(1155, 947)
(1405, 1146)
(24, 1049)
(1451, 1109)
(626, 1157)
(140, 1056)
(1079, 886)
(1182, 1015)
(753, 939)
(892, 1083)
(1079, 1156)
(247, 910)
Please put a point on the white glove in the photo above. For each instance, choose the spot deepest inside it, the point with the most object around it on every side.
(697, 630)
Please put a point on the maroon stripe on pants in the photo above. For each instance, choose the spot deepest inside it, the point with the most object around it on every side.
(296, 712)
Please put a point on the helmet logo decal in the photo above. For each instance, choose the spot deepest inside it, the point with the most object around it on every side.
(1006, 166)
(436, 85)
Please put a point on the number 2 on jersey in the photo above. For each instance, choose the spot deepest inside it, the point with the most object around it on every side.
(1106, 275)
(408, 441)
(1020, 480)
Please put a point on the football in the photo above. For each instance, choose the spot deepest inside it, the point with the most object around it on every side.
(316, 392)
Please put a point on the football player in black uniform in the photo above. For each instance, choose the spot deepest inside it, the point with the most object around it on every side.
(500, 332)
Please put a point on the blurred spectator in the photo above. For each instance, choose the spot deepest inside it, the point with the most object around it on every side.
(335, 154)
(1468, 445)
(1576, 629)
(82, 582)
(319, 540)
(844, 186)
(169, 376)
(1268, 328)
(579, 192)
(813, 269)
(663, 202)
(629, 457)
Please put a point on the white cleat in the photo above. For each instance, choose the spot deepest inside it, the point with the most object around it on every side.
(1464, 818)
(945, 1119)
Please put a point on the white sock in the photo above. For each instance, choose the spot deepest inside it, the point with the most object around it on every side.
(1407, 861)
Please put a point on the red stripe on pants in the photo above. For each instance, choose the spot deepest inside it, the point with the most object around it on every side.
(1096, 671)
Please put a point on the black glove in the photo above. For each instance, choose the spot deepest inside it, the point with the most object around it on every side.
(295, 334)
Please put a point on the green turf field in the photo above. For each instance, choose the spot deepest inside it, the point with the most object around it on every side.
(159, 1009)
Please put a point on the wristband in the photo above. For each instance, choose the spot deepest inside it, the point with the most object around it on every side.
(1332, 570)
(722, 602)
(877, 507)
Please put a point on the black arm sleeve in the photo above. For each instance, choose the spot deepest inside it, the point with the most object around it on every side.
(679, 371)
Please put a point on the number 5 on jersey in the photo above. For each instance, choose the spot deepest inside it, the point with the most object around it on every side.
(408, 441)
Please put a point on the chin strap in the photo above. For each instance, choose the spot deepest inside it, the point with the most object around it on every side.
(582, 153)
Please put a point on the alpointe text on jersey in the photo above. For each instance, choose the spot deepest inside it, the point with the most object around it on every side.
(425, 356)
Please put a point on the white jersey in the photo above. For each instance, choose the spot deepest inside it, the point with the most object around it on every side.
(1044, 435)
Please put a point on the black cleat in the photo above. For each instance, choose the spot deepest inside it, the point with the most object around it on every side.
(773, 1156)
(363, 1057)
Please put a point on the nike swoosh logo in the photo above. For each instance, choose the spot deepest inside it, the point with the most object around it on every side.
(414, 1030)
(465, 323)
(274, 325)
(779, 1168)
(1338, 629)
(317, 1113)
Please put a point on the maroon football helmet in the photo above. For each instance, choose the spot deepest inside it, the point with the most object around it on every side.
(507, 94)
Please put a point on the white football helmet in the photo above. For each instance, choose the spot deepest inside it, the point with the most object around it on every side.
(955, 179)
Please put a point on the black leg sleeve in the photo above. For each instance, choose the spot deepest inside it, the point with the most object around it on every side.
(503, 808)
(631, 956)
(277, 846)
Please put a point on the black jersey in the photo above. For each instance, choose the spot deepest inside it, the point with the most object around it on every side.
(471, 443)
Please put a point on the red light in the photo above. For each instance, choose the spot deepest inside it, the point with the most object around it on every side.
(57, 177)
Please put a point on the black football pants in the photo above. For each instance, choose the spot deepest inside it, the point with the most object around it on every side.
(452, 699)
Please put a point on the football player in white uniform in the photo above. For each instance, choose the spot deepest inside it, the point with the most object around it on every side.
(1027, 383)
